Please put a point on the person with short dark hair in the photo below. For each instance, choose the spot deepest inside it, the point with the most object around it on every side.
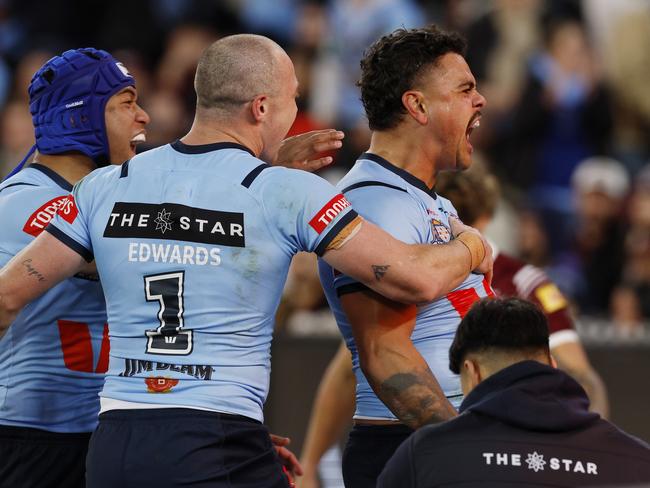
(523, 422)
(422, 105)
(396, 63)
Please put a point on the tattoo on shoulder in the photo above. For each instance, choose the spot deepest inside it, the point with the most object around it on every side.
(380, 270)
(31, 271)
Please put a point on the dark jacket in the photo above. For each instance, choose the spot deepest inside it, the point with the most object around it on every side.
(527, 425)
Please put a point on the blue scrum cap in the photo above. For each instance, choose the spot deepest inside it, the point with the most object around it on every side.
(67, 99)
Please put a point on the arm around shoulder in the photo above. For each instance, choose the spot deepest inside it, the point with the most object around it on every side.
(408, 273)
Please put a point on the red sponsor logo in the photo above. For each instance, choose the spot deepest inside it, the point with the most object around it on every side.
(68, 210)
(158, 384)
(37, 222)
(328, 213)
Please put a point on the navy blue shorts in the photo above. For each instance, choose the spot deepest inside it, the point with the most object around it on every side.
(178, 447)
(367, 451)
(34, 458)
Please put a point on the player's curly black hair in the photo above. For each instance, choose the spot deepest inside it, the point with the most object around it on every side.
(392, 65)
(507, 324)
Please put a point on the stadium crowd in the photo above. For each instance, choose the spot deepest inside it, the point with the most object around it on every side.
(565, 85)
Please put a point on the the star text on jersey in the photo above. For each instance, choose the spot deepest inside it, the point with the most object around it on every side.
(170, 221)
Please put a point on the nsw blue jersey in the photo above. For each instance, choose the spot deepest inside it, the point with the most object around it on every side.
(53, 356)
(193, 245)
(402, 205)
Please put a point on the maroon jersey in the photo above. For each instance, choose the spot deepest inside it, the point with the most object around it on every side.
(514, 278)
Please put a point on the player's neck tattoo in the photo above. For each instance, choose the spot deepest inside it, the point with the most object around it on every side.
(380, 270)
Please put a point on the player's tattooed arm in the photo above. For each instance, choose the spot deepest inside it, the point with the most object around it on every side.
(380, 270)
(408, 273)
(415, 398)
(397, 372)
(10, 305)
(30, 273)
(31, 270)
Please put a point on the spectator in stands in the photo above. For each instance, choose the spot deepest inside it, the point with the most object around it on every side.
(593, 263)
(631, 302)
(618, 30)
(499, 45)
(562, 117)
(16, 135)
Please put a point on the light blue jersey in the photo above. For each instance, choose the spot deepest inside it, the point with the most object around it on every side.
(402, 205)
(193, 245)
(53, 356)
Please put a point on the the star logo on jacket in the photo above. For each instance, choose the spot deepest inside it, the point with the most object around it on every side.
(535, 461)
(163, 221)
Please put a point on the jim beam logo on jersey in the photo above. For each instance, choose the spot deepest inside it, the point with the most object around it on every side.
(172, 221)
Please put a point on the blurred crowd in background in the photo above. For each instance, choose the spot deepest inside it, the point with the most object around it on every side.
(566, 128)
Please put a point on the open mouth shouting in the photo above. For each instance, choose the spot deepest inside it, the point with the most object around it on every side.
(138, 139)
(474, 123)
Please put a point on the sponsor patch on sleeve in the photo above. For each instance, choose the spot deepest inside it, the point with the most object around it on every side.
(68, 209)
(328, 213)
(550, 297)
(37, 221)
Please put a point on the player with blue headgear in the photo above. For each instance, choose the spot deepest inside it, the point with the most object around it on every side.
(54, 356)
(67, 98)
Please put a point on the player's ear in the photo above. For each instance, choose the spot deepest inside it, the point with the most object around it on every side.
(259, 107)
(470, 374)
(415, 105)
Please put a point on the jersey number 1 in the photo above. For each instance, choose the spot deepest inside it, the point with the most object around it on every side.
(169, 338)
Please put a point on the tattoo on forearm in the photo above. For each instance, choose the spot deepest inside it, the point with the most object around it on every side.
(31, 271)
(415, 399)
(380, 270)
